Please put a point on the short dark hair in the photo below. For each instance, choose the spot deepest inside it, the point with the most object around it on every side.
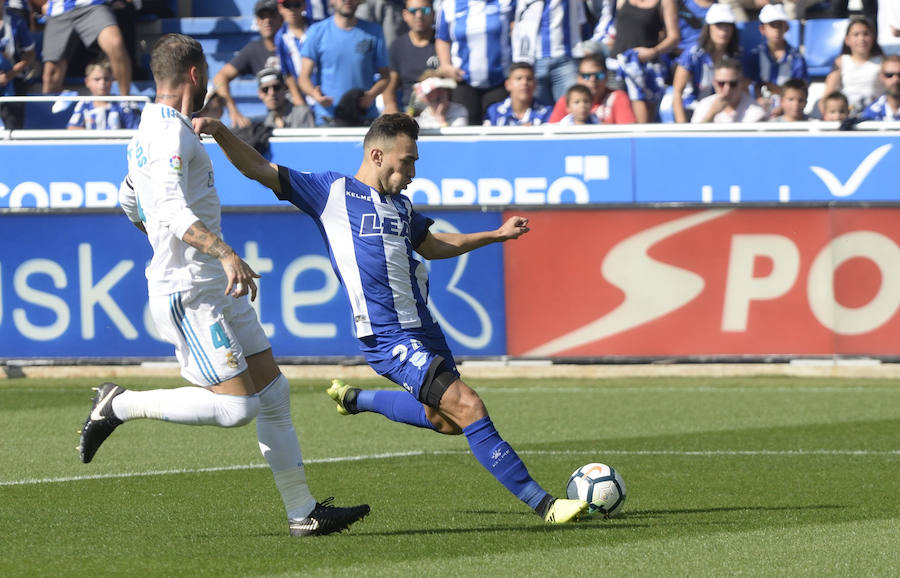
(519, 66)
(796, 84)
(173, 55)
(730, 63)
(837, 95)
(388, 126)
(585, 91)
(596, 58)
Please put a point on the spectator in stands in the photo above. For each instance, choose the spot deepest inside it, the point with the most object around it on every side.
(520, 108)
(93, 22)
(386, 13)
(694, 71)
(836, 107)
(17, 54)
(438, 112)
(856, 70)
(889, 26)
(795, 93)
(604, 35)
(691, 19)
(19, 8)
(745, 10)
(411, 55)
(608, 106)
(547, 34)
(101, 114)
(351, 59)
(255, 56)
(730, 103)
(887, 107)
(281, 112)
(645, 31)
(473, 46)
(578, 106)
(125, 13)
(288, 41)
(773, 61)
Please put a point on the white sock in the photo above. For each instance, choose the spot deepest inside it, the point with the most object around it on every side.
(187, 405)
(279, 445)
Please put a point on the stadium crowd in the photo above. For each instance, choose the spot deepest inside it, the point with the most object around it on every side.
(491, 62)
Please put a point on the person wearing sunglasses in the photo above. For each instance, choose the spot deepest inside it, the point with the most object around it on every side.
(281, 113)
(887, 106)
(608, 106)
(730, 103)
(411, 55)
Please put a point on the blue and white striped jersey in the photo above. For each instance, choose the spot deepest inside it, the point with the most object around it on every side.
(760, 65)
(502, 114)
(111, 116)
(478, 33)
(555, 25)
(700, 65)
(880, 110)
(287, 46)
(317, 10)
(57, 7)
(370, 238)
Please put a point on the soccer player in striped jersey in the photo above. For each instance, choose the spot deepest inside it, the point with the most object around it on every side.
(198, 286)
(371, 231)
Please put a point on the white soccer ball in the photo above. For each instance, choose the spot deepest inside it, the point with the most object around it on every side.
(600, 486)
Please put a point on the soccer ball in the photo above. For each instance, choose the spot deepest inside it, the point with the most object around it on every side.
(600, 486)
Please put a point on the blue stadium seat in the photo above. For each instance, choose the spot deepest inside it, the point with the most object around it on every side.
(39, 116)
(222, 7)
(751, 37)
(221, 37)
(822, 40)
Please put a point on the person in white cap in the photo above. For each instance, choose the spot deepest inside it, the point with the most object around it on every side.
(439, 112)
(773, 61)
(693, 80)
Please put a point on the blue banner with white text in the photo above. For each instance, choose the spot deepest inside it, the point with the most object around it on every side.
(527, 171)
(77, 289)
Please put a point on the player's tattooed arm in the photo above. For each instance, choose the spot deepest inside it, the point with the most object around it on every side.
(199, 237)
(239, 274)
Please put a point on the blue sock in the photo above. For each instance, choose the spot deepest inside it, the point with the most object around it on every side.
(397, 406)
(502, 462)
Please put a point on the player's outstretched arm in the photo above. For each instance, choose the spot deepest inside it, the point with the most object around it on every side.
(243, 156)
(447, 245)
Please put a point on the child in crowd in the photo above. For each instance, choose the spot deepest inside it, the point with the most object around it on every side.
(434, 92)
(578, 105)
(774, 61)
(855, 71)
(101, 114)
(794, 94)
(694, 70)
(835, 106)
(520, 108)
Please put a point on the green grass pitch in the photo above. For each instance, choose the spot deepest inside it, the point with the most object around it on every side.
(758, 476)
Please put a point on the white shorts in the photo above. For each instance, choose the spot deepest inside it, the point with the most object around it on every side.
(212, 333)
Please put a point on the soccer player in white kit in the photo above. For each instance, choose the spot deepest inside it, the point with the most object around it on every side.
(198, 287)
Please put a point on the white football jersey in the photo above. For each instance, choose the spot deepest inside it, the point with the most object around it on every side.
(171, 187)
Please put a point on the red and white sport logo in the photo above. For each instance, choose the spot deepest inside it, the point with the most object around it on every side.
(718, 281)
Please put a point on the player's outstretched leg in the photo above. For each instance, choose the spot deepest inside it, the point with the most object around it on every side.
(100, 422)
(501, 460)
(327, 519)
(398, 406)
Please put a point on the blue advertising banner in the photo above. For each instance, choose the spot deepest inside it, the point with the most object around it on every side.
(77, 289)
(761, 168)
(532, 170)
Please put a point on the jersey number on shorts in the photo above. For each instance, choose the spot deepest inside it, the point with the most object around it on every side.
(219, 338)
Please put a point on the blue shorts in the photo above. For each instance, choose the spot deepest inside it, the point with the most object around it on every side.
(411, 358)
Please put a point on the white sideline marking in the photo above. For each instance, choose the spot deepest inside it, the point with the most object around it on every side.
(691, 389)
(384, 456)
